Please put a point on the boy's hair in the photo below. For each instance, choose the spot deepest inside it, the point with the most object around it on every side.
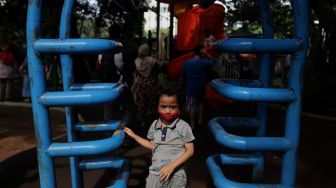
(170, 89)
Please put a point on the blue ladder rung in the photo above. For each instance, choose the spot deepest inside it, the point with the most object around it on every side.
(84, 97)
(244, 82)
(87, 147)
(122, 177)
(253, 94)
(74, 46)
(216, 162)
(121, 164)
(247, 45)
(237, 159)
(238, 122)
(97, 127)
(247, 143)
(94, 164)
(92, 86)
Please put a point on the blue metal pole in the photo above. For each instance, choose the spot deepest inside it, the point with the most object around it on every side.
(38, 88)
(72, 94)
(248, 45)
(74, 46)
(98, 127)
(67, 72)
(253, 94)
(293, 115)
(83, 97)
(247, 143)
(298, 47)
(86, 147)
(214, 162)
(265, 77)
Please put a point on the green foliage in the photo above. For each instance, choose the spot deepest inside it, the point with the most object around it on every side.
(243, 17)
(321, 69)
(85, 26)
(90, 20)
(13, 19)
(106, 13)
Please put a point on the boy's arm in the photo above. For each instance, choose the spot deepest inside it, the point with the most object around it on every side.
(168, 169)
(143, 142)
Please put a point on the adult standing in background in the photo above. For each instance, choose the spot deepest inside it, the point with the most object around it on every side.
(145, 86)
(8, 66)
(194, 76)
(25, 80)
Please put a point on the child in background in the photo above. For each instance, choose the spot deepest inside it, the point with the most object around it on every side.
(171, 141)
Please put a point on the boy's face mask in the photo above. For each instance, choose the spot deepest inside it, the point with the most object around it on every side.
(170, 117)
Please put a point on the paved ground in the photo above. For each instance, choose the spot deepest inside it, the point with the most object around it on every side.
(16, 130)
(316, 167)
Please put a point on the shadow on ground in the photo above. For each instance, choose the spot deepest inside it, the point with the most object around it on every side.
(317, 159)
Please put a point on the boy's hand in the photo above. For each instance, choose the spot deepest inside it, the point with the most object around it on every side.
(129, 132)
(166, 171)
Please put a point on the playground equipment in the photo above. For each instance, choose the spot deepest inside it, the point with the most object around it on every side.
(72, 95)
(259, 91)
(195, 24)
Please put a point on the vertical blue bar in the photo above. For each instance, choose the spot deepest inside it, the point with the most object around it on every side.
(293, 116)
(67, 76)
(38, 88)
(265, 71)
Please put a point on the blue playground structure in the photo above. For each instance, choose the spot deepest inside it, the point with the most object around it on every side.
(72, 95)
(259, 91)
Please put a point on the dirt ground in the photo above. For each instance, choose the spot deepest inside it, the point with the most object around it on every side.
(17, 136)
(317, 158)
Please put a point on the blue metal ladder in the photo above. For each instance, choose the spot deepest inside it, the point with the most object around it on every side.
(259, 91)
(72, 95)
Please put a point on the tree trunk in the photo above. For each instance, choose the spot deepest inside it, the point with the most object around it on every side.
(327, 18)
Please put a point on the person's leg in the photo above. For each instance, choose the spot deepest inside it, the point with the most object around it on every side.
(2, 89)
(9, 85)
(190, 108)
(129, 106)
(198, 111)
(129, 114)
(153, 181)
(178, 180)
(192, 115)
(201, 114)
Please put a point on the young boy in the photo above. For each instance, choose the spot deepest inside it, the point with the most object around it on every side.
(171, 141)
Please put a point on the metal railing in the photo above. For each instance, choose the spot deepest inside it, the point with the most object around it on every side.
(260, 92)
(72, 95)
